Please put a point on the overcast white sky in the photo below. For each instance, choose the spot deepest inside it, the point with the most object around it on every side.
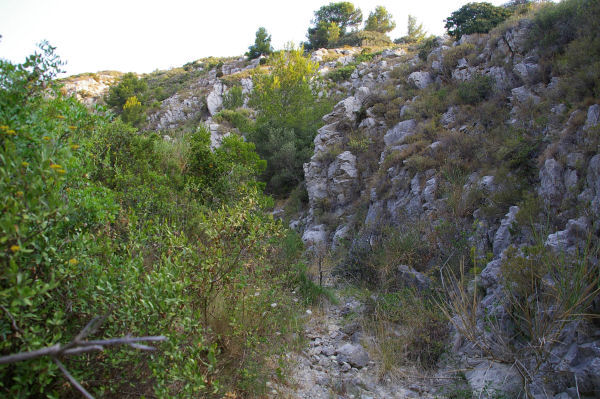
(141, 36)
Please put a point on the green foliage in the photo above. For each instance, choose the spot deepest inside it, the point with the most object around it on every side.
(476, 89)
(331, 22)
(239, 118)
(475, 18)
(380, 21)
(567, 36)
(129, 86)
(415, 32)
(234, 98)
(421, 329)
(261, 46)
(341, 73)
(133, 111)
(288, 116)
(164, 238)
(365, 39)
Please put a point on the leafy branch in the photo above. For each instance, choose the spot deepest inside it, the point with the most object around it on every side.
(78, 346)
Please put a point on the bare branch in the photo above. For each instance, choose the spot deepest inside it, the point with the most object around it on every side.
(12, 319)
(72, 379)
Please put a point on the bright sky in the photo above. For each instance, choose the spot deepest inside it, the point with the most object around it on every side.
(141, 36)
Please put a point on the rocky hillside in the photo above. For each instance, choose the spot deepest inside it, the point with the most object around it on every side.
(486, 150)
(481, 147)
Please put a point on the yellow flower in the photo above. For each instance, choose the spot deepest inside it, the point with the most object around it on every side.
(60, 117)
(73, 261)
(72, 127)
(46, 138)
(61, 171)
(15, 248)
(19, 193)
(3, 127)
(55, 166)
(74, 146)
(25, 164)
(11, 132)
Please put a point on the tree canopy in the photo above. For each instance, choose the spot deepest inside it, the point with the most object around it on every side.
(380, 21)
(475, 18)
(331, 23)
(262, 44)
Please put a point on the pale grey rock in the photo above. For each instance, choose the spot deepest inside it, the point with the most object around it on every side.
(367, 123)
(568, 239)
(593, 117)
(341, 177)
(490, 275)
(214, 100)
(528, 72)
(501, 79)
(315, 235)
(517, 37)
(175, 110)
(463, 74)
(490, 378)
(345, 109)
(400, 132)
(420, 79)
(523, 95)
(412, 278)
(571, 180)
(327, 136)
(502, 236)
(362, 93)
(575, 160)
(341, 233)
(449, 117)
(353, 354)
(389, 53)
(559, 109)
(551, 187)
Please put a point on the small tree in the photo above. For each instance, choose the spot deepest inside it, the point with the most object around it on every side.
(331, 23)
(129, 86)
(261, 46)
(415, 32)
(475, 18)
(380, 21)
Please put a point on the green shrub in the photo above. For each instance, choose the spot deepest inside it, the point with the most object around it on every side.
(162, 238)
(476, 89)
(341, 73)
(234, 98)
(365, 39)
(129, 86)
(475, 18)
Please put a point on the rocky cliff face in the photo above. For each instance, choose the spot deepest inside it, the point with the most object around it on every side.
(472, 134)
(90, 88)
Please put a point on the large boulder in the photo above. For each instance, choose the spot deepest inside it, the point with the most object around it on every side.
(420, 79)
(503, 235)
(488, 379)
(353, 354)
(214, 100)
(552, 186)
(400, 132)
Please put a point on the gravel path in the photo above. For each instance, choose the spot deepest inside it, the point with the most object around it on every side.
(335, 363)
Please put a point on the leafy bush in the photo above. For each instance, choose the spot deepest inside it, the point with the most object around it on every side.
(261, 46)
(380, 21)
(365, 39)
(288, 116)
(475, 90)
(341, 73)
(331, 22)
(234, 98)
(162, 238)
(129, 86)
(475, 18)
